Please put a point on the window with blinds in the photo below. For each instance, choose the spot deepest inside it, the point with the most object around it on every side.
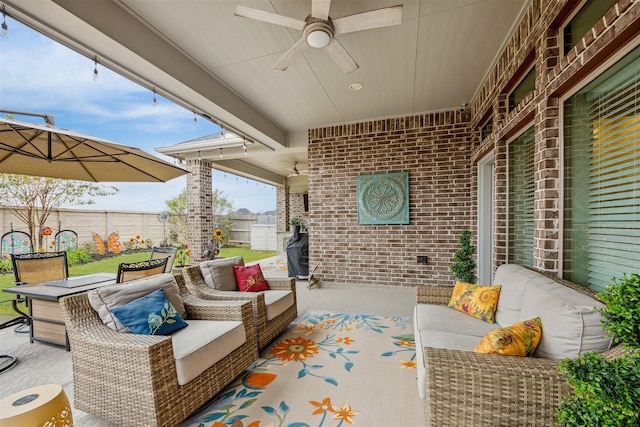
(521, 199)
(602, 177)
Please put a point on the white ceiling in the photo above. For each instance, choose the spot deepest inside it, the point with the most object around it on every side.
(199, 54)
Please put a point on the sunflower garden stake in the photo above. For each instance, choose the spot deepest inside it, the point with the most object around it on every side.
(214, 245)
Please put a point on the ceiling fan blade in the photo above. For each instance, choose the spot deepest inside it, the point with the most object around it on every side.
(288, 58)
(268, 17)
(341, 57)
(368, 20)
(320, 9)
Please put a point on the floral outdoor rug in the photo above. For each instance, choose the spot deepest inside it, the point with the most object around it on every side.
(329, 369)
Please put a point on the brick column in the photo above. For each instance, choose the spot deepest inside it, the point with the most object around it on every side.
(500, 189)
(546, 236)
(199, 207)
(282, 208)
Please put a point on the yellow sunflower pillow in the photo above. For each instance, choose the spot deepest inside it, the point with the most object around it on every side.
(519, 339)
(477, 301)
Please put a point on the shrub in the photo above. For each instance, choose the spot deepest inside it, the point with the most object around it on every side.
(607, 391)
(5, 266)
(78, 256)
(622, 314)
(465, 264)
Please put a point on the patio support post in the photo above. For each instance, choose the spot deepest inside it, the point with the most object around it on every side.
(282, 217)
(199, 207)
(282, 213)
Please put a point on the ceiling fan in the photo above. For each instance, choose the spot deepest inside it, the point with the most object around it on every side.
(320, 31)
(295, 171)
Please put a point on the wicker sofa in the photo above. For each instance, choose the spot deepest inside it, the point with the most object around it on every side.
(462, 388)
(274, 309)
(155, 380)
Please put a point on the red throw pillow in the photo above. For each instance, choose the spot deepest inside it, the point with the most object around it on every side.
(249, 278)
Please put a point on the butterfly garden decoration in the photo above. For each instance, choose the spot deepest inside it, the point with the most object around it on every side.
(111, 245)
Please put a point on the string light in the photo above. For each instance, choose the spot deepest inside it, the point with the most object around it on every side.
(244, 147)
(5, 28)
(221, 153)
(195, 119)
(95, 69)
(199, 156)
(155, 101)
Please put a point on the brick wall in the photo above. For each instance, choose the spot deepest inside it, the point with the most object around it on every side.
(296, 207)
(435, 150)
(556, 75)
(440, 152)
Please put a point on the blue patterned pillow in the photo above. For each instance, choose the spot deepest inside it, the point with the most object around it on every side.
(151, 314)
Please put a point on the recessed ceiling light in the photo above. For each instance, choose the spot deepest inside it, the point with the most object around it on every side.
(355, 86)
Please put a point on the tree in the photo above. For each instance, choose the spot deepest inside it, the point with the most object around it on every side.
(221, 205)
(222, 209)
(177, 207)
(32, 199)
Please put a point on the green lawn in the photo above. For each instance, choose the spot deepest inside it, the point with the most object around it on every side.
(111, 265)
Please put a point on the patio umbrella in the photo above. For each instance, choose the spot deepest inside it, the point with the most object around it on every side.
(38, 150)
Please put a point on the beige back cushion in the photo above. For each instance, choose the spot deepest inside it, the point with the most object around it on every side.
(218, 273)
(571, 323)
(513, 279)
(108, 297)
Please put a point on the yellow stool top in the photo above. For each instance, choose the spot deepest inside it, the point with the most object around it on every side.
(36, 406)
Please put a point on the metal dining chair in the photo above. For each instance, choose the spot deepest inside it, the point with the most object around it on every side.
(168, 252)
(31, 268)
(128, 271)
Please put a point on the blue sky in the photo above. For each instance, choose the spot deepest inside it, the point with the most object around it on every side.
(40, 75)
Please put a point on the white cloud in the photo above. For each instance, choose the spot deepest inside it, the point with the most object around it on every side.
(39, 75)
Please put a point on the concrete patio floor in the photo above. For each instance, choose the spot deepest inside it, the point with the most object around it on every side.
(40, 363)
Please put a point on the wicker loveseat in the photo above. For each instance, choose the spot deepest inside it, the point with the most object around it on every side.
(274, 309)
(463, 388)
(154, 380)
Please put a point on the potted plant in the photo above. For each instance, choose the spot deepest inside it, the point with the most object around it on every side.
(607, 390)
(295, 222)
(464, 266)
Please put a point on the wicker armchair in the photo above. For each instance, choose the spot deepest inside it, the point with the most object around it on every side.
(266, 330)
(131, 379)
(464, 388)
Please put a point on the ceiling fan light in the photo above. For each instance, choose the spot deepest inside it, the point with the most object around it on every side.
(318, 38)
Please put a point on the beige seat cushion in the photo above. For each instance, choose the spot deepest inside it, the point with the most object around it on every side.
(107, 297)
(204, 343)
(277, 302)
(218, 273)
(442, 327)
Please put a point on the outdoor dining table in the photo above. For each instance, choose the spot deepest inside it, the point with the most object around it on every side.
(47, 324)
